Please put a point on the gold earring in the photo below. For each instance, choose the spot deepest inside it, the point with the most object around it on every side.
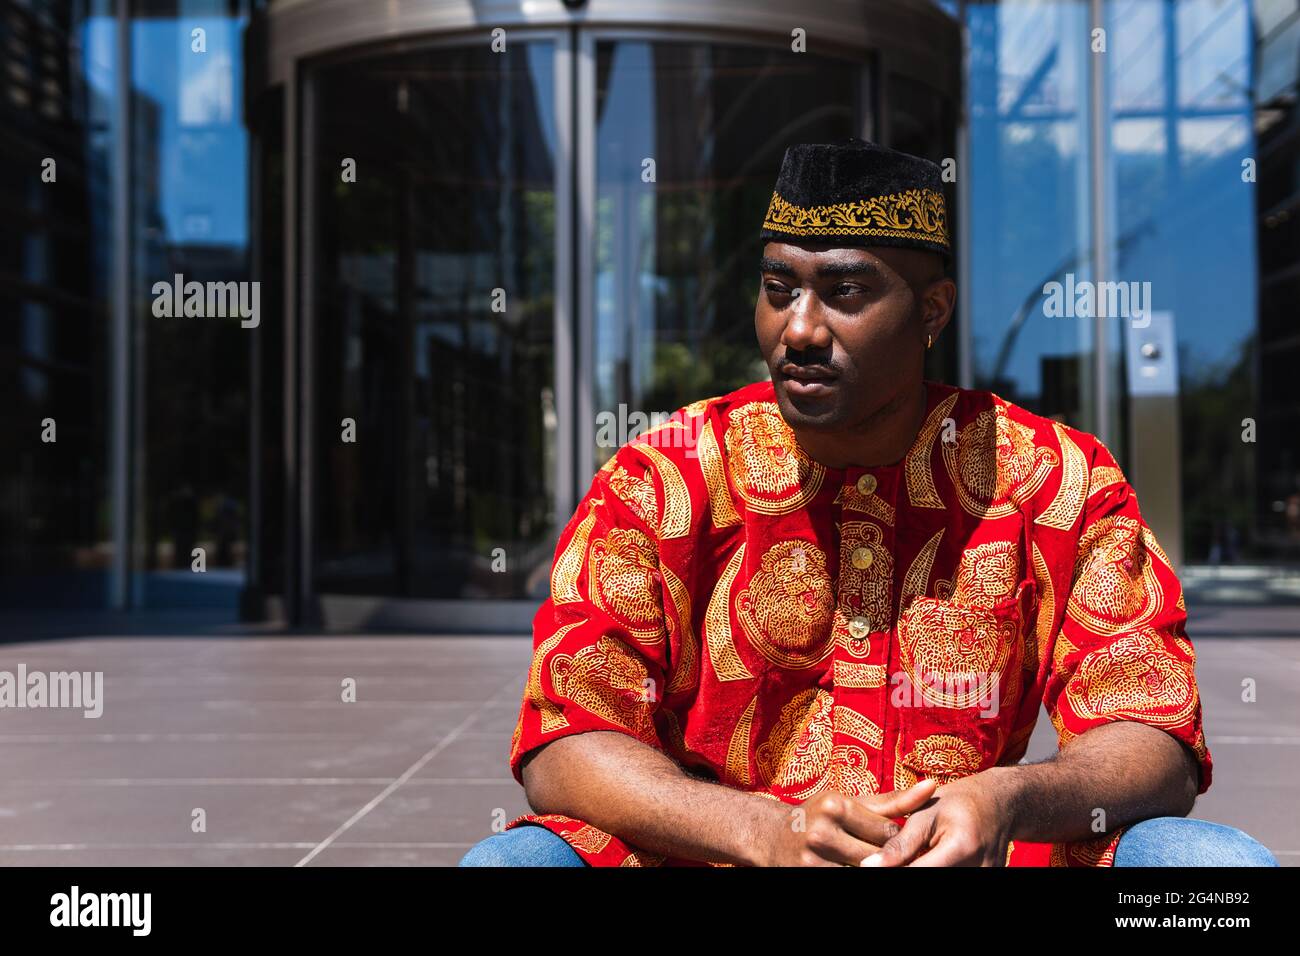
(929, 340)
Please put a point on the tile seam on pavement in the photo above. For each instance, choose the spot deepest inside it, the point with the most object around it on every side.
(410, 772)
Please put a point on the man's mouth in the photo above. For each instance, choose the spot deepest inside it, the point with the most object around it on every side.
(807, 380)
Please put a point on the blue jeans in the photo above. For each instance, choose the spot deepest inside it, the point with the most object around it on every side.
(1179, 841)
(1160, 841)
(527, 845)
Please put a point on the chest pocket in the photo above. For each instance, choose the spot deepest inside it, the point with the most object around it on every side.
(958, 682)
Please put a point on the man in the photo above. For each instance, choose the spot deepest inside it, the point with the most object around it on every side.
(812, 622)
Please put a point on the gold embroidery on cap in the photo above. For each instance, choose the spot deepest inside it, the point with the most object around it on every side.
(910, 214)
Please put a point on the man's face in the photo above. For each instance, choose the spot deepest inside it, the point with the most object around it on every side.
(843, 329)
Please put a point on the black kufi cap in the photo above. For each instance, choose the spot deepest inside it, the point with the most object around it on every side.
(855, 193)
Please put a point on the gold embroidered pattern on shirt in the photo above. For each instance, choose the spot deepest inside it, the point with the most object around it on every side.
(941, 757)
(917, 471)
(1134, 678)
(643, 858)
(1068, 503)
(1098, 851)
(738, 748)
(727, 664)
(917, 580)
(611, 682)
(988, 573)
(857, 675)
(551, 714)
(773, 475)
(952, 653)
(850, 499)
(1115, 585)
(995, 466)
(624, 582)
(1046, 612)
(638, 494)
(796, 753)
(858, 726)
(569, 565)
(676, 521)
(849, 773)
(787, 607)
(864, 592)
(709, 456)
(1103, 477)
(686, 669)
(589, 838)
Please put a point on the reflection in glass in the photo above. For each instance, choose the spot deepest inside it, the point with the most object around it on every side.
(57, 71)
(1028, 186)
(1180, 124)
(1275, 81)
(434, 319)
(677, 241)
(189, 211)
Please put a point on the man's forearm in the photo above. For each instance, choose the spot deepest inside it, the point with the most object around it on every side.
(1126, 770)
(629, 789)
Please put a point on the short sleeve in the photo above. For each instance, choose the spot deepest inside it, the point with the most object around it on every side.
(1122, 652)
(599, 641)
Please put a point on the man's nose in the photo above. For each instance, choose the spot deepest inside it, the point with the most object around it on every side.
(804, 327)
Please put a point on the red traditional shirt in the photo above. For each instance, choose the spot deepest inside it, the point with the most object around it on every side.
(782, 627)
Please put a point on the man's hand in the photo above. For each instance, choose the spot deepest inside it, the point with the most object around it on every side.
(968, 824)
(832, 829)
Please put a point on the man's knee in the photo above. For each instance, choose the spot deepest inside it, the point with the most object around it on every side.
(522, 846)
(1180, 841)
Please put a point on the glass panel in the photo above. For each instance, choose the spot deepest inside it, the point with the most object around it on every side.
(1180, 125)
(1274, 73)
(190, 219)
(677, 246)
(1276, 534)
(434, 317)
(58, 71)
(1028, 185)
(920, 123)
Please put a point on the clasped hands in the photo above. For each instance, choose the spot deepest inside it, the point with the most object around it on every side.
(963, 823)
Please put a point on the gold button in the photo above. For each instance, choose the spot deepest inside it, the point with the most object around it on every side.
(859, 628)
(862, 558)
(867, 484)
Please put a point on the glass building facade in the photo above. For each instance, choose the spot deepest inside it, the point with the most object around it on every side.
(481, 233)
(124, 435)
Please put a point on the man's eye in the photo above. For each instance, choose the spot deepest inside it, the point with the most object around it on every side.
(776, 288)
(847, 288)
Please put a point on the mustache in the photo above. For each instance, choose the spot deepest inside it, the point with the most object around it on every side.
(813, 360)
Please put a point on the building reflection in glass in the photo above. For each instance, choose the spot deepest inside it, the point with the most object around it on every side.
(676, 256)
(435, 324)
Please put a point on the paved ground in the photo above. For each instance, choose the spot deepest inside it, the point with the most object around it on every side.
(251, 729)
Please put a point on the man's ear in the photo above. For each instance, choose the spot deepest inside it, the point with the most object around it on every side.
(937, 300)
